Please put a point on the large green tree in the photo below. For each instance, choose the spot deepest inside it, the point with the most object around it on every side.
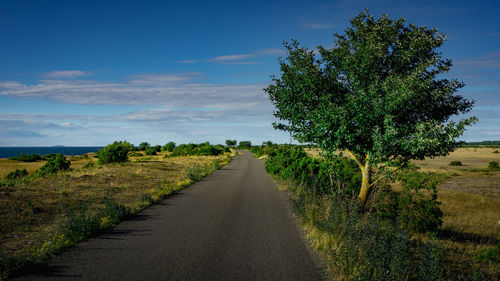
(378, 95)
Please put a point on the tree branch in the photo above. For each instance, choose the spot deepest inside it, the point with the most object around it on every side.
(354, 157)
(385, 176)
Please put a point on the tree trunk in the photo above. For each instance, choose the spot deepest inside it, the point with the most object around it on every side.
(366, 172)
(365, 183)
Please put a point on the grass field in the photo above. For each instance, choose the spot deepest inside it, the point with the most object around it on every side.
(32, 213)
(470, 201)
(471, 195)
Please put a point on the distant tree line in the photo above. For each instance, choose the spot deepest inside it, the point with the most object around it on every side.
(481, 143)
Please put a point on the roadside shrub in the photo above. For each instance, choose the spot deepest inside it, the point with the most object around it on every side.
(208, 150)
(493, 165)
(83, 221)
(345, 175)
(417, 205)
(496, 151)
(27, 157)
(368, 248)
(143, 146)
(54, 164)
(184, 149)
(215, 165)
(259, 151)
(323, 176)
(147, 198)
(151, 151)
(195, 173)
(256, 151)
(114, 153)
(204, 149)
(245, 145)
(374, 251)
(168, 146)
(455, 163)
(223, 148)
(17, 174)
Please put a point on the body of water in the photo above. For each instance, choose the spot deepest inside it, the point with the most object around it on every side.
(6, 152)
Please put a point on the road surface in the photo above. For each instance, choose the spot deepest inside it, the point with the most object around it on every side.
(232, 225)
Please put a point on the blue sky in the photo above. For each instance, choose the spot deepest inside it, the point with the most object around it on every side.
(91, 72)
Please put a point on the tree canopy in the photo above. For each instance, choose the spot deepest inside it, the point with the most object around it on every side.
(245, 144)
(378, 94)
(169, 146)
(144, 145)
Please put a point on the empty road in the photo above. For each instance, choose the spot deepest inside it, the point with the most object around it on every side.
(232, 225)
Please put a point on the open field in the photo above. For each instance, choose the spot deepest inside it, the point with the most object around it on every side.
(470, 201)
(473, 176)
(32, 212)
(471, 195)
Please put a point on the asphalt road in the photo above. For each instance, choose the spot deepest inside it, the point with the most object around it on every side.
(232, 225)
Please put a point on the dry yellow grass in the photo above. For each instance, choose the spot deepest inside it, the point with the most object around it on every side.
(471, 158)
(31, 212)
(471, 214)
(7, 166)
(471, 196)
(313, 152)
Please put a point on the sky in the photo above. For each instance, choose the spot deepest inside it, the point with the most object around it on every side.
(87, 73)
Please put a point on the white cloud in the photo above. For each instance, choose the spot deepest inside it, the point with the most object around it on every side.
(492, 133)
(178, 107)
(491, 60)
(270, 52)
(231, 57)
(64, 74)
(159, 90)
(162, 79)
(239, 58)
(250, 121)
